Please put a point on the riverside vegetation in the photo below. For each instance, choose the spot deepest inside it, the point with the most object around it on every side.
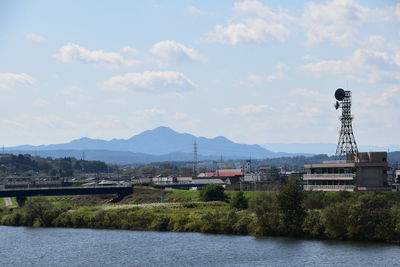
(287, 212)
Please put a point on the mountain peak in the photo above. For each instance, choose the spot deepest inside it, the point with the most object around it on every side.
(163, 129)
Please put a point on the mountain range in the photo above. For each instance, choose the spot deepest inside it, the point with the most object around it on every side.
(165, 144)
(159, 144)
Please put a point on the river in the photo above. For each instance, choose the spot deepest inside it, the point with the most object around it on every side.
(21, 246)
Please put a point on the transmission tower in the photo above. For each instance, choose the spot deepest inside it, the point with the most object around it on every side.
(195, 168)
(347, 143)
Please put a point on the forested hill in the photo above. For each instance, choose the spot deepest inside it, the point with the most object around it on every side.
(26, 164)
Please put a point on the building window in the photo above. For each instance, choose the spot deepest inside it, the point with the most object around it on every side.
(384, 159)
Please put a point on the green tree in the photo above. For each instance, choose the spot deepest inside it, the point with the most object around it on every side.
(40, 212)
(239, 201)
(370, 218)
(335, 218)
(313, 226)
(313, 200)
(213, 192)
(268, 218)
(290, 199)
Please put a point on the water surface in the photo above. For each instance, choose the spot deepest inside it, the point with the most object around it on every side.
(20, 246)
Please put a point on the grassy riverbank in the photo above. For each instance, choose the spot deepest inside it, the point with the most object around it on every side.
(287, 212)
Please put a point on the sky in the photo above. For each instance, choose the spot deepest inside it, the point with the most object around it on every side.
(255, 72)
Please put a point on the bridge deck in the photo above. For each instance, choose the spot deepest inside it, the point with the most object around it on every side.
(61, 191)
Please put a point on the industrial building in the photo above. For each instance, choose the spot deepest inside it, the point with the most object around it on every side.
(361, 171)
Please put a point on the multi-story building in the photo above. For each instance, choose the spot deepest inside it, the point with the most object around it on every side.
(361, 171)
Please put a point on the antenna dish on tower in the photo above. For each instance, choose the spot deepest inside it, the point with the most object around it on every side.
(340, 94)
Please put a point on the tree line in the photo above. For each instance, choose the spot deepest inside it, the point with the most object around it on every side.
(30, 165)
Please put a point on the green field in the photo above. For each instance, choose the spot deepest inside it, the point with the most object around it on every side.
(189, 194)
(2, 202)
(182, 194)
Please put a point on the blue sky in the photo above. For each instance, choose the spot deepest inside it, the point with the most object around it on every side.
(253, 71)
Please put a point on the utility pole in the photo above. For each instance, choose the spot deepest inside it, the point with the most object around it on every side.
(195, 167)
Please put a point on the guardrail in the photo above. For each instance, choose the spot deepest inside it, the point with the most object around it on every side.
(337, 161)
(337, 187)
(329, 176)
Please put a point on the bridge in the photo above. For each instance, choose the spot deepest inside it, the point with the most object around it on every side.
(22, 193)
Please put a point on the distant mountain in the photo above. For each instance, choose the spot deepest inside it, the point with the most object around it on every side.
(322, 148)
(161, 141)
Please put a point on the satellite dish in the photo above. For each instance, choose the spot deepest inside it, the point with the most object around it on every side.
(340, 94)
(337, 105)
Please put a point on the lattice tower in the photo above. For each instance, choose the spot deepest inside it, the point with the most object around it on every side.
(347, 143)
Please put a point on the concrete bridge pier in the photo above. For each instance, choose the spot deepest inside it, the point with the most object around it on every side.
(21, 201)
(119, 197)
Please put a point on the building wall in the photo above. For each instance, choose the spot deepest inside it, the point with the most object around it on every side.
(370, 177)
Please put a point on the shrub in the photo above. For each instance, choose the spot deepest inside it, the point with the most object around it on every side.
(312, 225)
(160, 223)
(190, 205)
(268, 218)
(313, 200)
(335, 219)
(178, 224)
(213, 192)
(239, 201)
(370, 218)
(210, 223)
(41, 212)
(243, 224)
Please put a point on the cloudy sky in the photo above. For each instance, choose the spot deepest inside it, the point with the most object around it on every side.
(253, 71)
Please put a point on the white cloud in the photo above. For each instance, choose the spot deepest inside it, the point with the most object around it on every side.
(72, 91)
(255, 79)
(145, 114)
(74, 96)
(72, 52)
(303, 92)
(334, 21)
(131, 50)
(40, 102)
(194, 10)
(9, 80)
(397, 11)
(252, 30)
(245, 109)
(150, 82)
(254, 23)
(261, 10)
(172, 50)
(364, 65)
(35, 37)
(378, 42)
